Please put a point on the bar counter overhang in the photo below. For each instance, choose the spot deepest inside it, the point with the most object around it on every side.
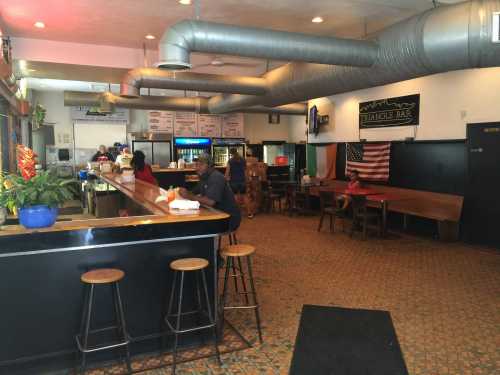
(40, 270)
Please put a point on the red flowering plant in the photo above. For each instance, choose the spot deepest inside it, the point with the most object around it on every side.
(31, 188)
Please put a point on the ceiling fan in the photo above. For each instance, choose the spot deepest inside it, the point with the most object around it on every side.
(218, 62)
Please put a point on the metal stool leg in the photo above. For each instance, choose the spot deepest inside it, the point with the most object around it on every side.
(85, 333)
(243, 283)
(229, 260)
(178, 324)
(123, 325)
(234, 276)
(252, 285)
(210, 316)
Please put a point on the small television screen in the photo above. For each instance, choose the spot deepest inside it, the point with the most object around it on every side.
(313, 120)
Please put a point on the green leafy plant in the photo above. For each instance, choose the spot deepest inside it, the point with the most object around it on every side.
(38, 114)
(43, 189)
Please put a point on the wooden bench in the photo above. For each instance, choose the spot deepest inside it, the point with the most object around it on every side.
(446, 209)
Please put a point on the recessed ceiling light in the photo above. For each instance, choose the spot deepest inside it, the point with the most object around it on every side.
(317, 20)
(39, 24)
(185, 2)
(150, 37)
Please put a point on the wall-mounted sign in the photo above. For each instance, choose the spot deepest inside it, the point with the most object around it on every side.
(185, 124)
(161, 121)
(86, 113)
(400, 111)
(233, 125)
(209, 125)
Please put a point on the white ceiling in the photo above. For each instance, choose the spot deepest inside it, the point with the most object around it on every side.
(126, 22)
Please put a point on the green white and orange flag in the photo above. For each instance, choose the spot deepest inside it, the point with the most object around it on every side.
(321, 161)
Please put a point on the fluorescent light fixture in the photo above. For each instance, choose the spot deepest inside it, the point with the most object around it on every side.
(39, 24)
(150, 37)
(317, 20)
(185, 2)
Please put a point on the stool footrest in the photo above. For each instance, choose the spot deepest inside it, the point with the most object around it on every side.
(99, 348)
(193, 329)
(241, 307)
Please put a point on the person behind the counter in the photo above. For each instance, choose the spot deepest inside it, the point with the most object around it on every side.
(123, 160)
(213, 191)
(142, 170)
(103, 154)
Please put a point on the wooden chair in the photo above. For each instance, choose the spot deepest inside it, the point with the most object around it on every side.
(361, 215)
(328, 206)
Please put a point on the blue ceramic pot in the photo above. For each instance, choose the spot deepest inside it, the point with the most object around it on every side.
(39, 216)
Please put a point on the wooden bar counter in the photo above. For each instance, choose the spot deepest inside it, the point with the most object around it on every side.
(40, 271)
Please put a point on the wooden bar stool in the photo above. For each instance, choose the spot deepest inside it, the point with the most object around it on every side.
(235, 253)
(181, 266)
(105, 276)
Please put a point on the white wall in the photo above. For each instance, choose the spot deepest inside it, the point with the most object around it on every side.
(297, 128)
(448, 102)
(258, 129)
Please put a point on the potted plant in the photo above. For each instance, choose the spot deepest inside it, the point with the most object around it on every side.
(33, 196)
(36, 199)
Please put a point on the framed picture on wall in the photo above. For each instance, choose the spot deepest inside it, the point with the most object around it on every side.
(274, 118)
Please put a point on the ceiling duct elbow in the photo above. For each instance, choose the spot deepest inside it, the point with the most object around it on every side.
(189, 36)
(135, 79)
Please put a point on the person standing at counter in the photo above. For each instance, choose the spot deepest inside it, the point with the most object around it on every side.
(235, 174)
(123, 160)
(142, 170)
(103, 154)
(214, 191)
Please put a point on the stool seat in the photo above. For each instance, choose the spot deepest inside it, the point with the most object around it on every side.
(239, 250)
(189, 264)
(103, 276)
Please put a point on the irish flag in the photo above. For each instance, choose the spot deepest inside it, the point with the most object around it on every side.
(321, 161)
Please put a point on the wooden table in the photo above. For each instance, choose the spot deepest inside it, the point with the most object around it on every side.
(383, 199)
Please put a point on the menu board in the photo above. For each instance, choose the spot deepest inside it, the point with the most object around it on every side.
(232, 125)
(185, 124)
(161, 121)
(209, 125)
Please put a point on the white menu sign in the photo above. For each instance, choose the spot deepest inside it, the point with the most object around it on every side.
(185, 124)
(209, 125)
(233, 125)
(161, 121)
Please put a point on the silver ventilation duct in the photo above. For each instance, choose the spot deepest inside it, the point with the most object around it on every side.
(106, 101)
(188, 36)
(442, 39)
(161, 79)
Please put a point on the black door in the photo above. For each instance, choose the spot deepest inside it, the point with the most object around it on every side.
(482, 199)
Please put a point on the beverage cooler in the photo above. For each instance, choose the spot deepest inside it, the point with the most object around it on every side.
(189, 148)
(221, 147)
(157, 152)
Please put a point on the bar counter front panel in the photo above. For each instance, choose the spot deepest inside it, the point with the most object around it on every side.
(42, 295)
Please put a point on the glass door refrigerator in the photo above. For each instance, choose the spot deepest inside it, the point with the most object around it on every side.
(221, 147)
(188, 149)
(157, 152)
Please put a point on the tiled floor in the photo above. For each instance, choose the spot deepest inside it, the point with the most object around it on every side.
(444, 298)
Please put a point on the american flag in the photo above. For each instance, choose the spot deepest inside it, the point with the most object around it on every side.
(371, 160)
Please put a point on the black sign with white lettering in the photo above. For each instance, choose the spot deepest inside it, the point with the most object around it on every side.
(400, 111)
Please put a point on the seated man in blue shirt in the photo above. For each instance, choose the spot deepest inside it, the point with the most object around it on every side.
(214, 191)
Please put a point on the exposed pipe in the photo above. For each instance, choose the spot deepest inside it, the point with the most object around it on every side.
(106, 101)
(188, 36)
(442, 39)
(162, 79)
